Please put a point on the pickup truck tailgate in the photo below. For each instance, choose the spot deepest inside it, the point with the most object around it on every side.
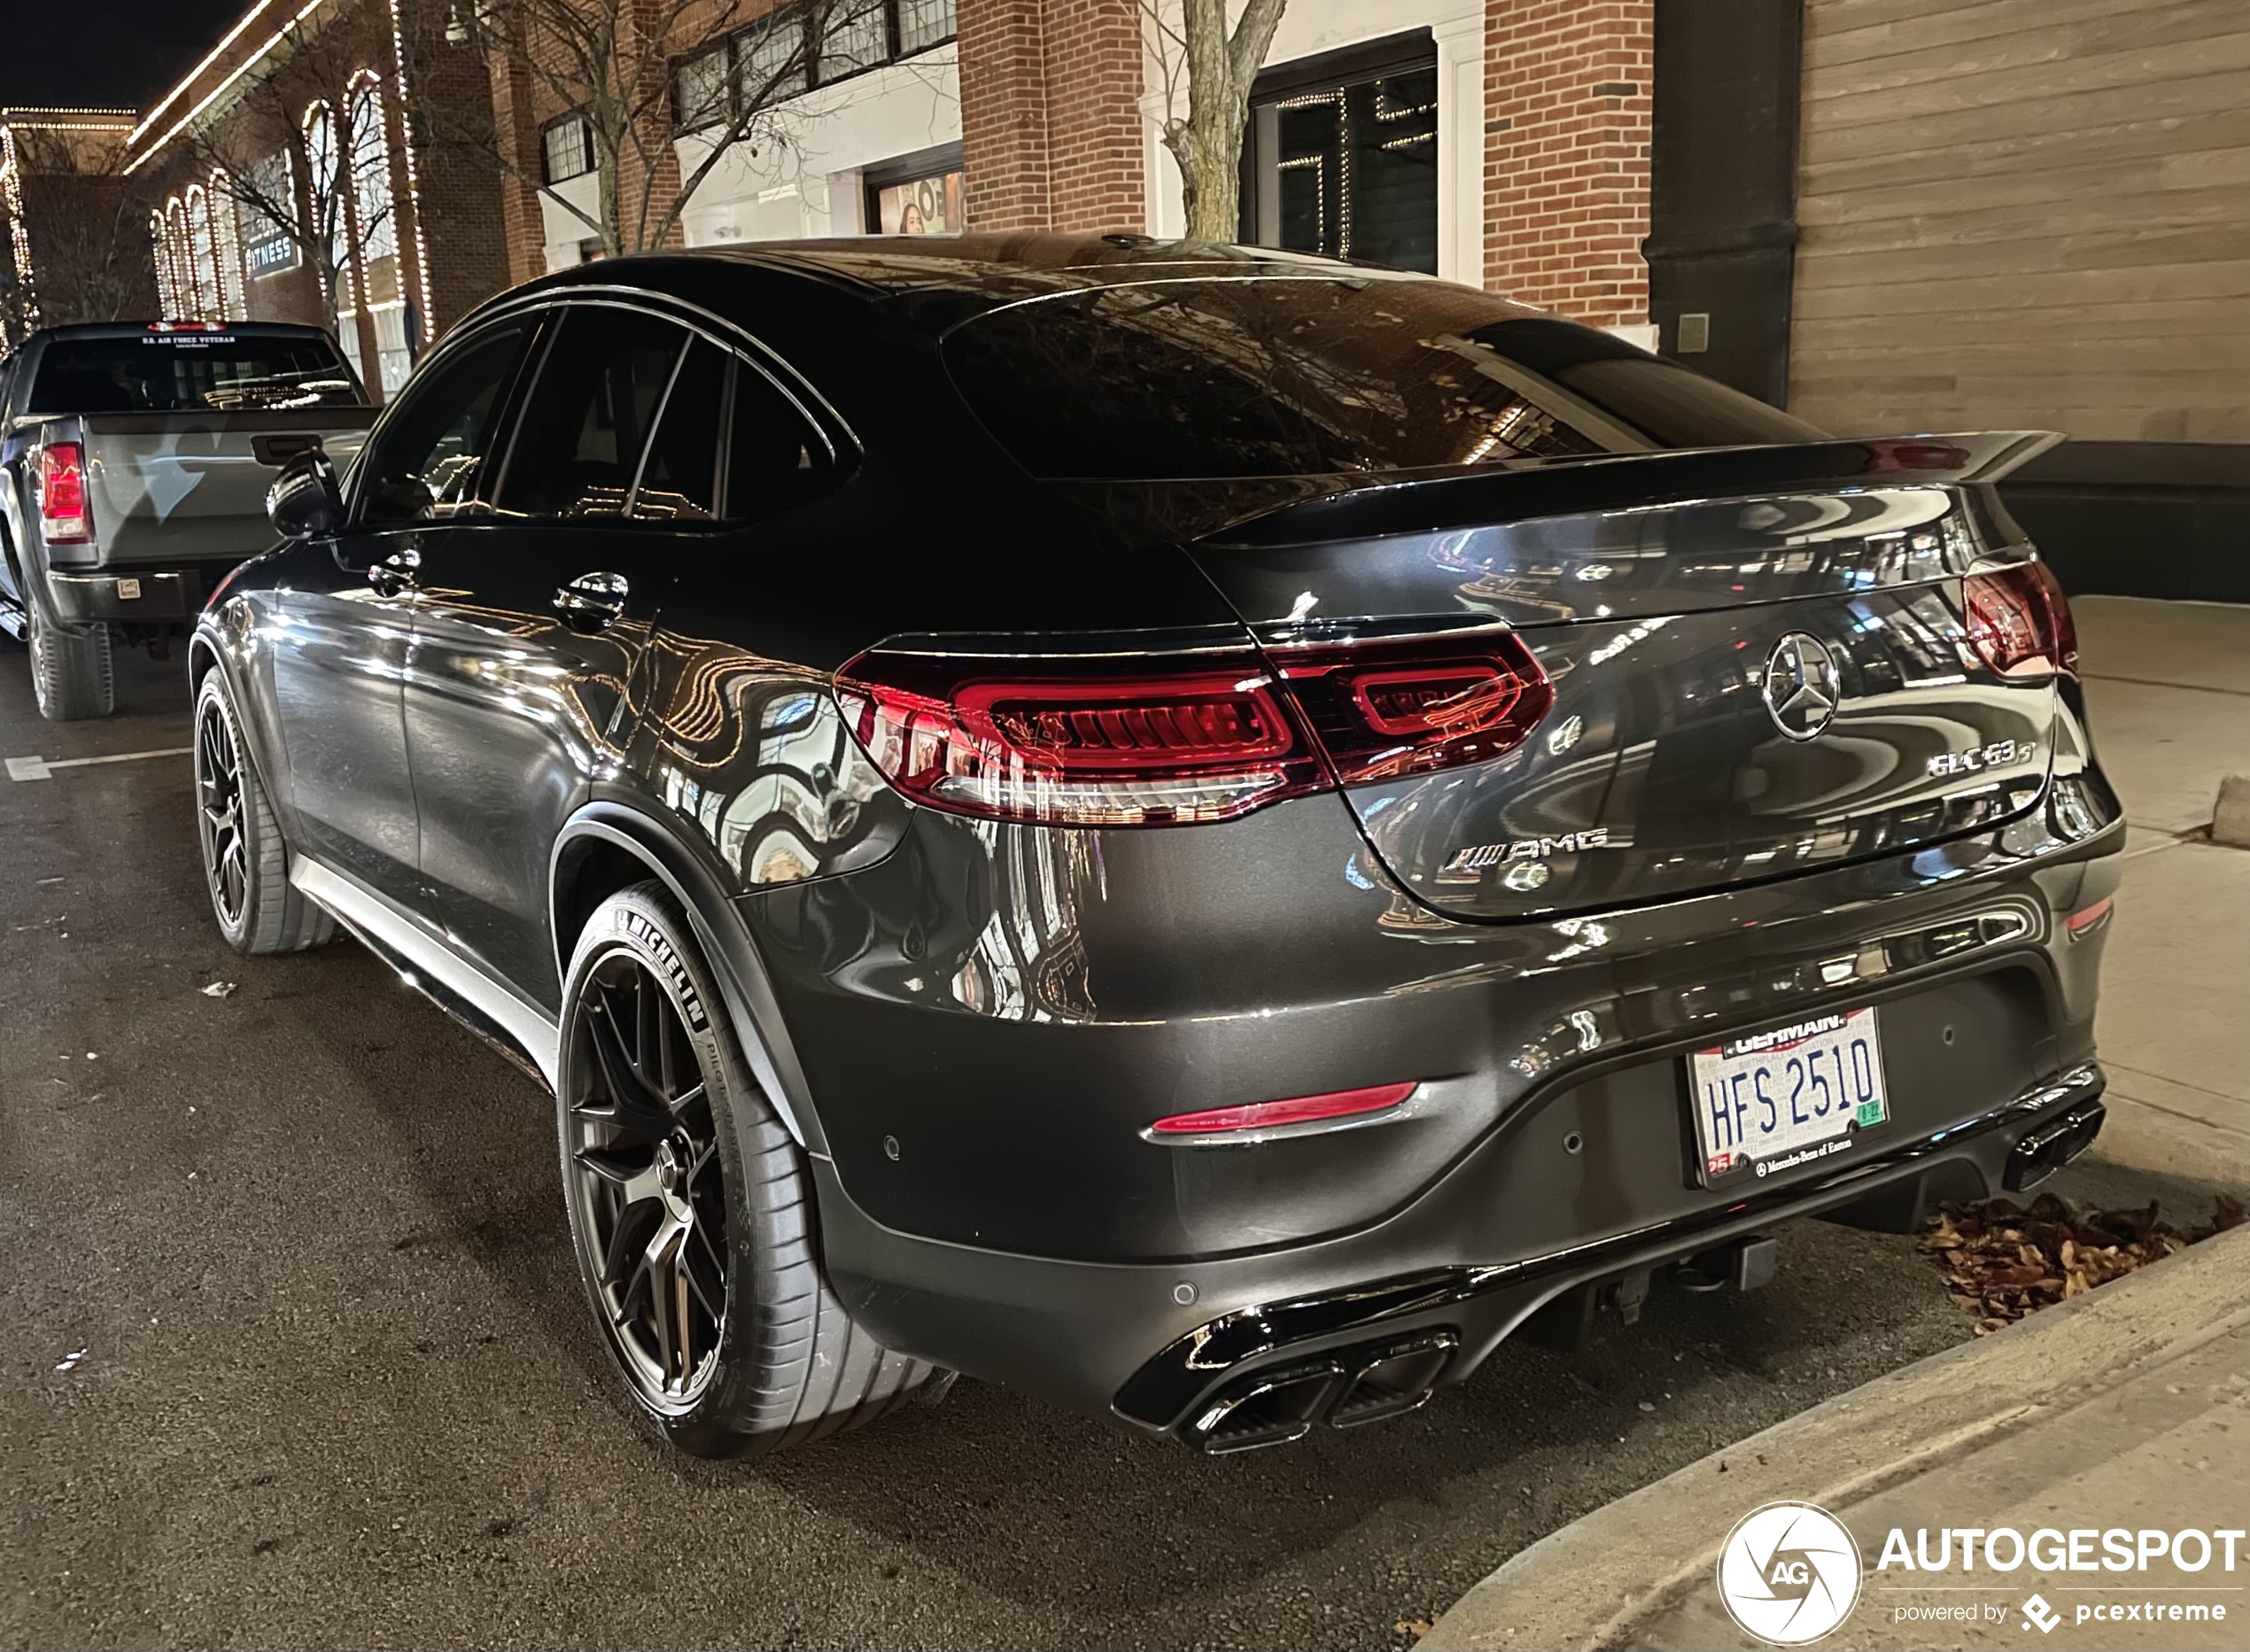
(184, 486)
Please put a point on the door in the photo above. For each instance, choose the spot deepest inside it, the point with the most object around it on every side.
(345, 616)
(534, 621)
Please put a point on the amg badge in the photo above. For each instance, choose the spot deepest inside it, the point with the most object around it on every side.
(1477, 857)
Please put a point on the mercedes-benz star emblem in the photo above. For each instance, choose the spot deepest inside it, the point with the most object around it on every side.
(1802, 686)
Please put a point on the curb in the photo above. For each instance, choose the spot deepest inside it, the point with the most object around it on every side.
(1590, 1584)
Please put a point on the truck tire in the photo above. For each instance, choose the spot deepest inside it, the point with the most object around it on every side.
(245, 864)
(691, 1207)
(72, 675)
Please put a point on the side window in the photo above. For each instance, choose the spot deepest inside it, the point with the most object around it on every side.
(579, 445)
(679, 479)
(426, 460)
(774, 459)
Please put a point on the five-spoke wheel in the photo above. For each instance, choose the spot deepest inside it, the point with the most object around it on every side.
(642, 1159)
(218, 788)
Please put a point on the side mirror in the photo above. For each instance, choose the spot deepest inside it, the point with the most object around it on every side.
(304, 501)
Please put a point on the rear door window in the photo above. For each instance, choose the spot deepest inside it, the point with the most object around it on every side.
(190, 373)
(680, 478)
(775, 458)
(587, 417)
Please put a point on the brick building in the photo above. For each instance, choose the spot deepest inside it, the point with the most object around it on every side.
(284, 179)
(70, 238)
(1887, 214)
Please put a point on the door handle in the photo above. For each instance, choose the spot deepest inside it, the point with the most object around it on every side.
(593, 601)
(396, 572)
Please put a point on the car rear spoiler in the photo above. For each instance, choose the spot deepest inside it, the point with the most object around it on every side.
(1490, 494)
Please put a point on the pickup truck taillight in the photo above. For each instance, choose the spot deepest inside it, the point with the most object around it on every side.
(62, 495)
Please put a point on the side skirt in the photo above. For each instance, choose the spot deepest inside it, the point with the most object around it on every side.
(495, 1011)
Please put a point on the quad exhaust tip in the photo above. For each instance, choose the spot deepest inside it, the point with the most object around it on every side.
(1347, 1389)
(2051, 1146)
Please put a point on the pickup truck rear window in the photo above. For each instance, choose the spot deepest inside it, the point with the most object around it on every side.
(190, 373)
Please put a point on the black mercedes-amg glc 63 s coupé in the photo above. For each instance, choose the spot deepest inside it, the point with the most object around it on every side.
(1198, 832)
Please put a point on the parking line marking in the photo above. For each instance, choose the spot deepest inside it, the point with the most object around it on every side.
(44, 768)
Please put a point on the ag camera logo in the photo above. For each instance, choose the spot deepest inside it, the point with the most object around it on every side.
(1788, 1573)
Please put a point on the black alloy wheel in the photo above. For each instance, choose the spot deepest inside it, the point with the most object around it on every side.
(692, 1207)
(645, 1182)
(219, 813)
(245, 863)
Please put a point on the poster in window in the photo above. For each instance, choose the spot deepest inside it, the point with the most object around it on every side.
(931, 206)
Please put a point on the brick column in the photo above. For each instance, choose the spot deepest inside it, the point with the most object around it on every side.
(1052, 135)
(1003, 112)
(517, 133)
(1567, 86)
(1097, 166)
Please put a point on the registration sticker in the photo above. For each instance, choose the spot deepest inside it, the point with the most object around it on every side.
(1790, 1095)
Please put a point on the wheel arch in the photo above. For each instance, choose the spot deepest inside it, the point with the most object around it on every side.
(607, 846)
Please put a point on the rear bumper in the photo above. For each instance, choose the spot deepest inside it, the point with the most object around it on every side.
(1140, 1344)
(148, 595)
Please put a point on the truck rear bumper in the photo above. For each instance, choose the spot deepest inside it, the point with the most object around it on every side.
(151, 595)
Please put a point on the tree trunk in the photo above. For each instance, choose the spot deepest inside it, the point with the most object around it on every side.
(1208, 144)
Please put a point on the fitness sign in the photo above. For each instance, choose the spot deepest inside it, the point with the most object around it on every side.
(1790, 1574)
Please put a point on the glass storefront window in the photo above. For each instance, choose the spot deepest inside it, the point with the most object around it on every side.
(1346, 164)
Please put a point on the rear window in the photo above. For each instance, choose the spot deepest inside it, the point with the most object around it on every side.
(1297, 376)
(190, 373)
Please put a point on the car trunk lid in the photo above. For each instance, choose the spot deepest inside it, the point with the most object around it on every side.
(1761, 661)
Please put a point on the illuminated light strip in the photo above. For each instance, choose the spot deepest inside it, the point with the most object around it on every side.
(228, 39)
(413, 171)
(219, 90)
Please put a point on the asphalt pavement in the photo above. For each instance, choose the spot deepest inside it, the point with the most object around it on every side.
(294, 1352)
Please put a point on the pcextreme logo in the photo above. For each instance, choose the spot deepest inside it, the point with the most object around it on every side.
(1788, 1573)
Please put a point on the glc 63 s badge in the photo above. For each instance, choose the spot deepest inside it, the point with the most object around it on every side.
(1976, 759)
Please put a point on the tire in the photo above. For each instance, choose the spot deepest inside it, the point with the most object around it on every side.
(73, 676)
(245, 863)
(781, 1362)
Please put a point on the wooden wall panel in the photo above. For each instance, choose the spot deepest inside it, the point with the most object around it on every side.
(2025, 213)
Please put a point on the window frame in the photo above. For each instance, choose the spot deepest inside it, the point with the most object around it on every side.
(1408, 52)
(737, 46)
(585, 146)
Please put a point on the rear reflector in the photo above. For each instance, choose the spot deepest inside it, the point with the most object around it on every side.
(2087, 917)
(1267, 1115)
(2018, 621)
(62, 493)
(1175, 739)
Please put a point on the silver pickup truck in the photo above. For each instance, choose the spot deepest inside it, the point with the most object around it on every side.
(133, 461)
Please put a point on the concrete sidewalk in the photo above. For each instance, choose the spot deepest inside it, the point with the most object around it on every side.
(2167, 685)
(2127, 1407)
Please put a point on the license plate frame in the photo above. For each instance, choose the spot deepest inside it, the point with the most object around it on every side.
(1786, 1097)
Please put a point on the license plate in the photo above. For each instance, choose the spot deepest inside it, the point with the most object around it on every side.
(1771, 1101)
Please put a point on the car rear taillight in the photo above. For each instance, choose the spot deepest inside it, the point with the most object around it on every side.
(62, 495)
(2018, 621)
(1171, 739)
(1380, 709)
(1141, 741)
